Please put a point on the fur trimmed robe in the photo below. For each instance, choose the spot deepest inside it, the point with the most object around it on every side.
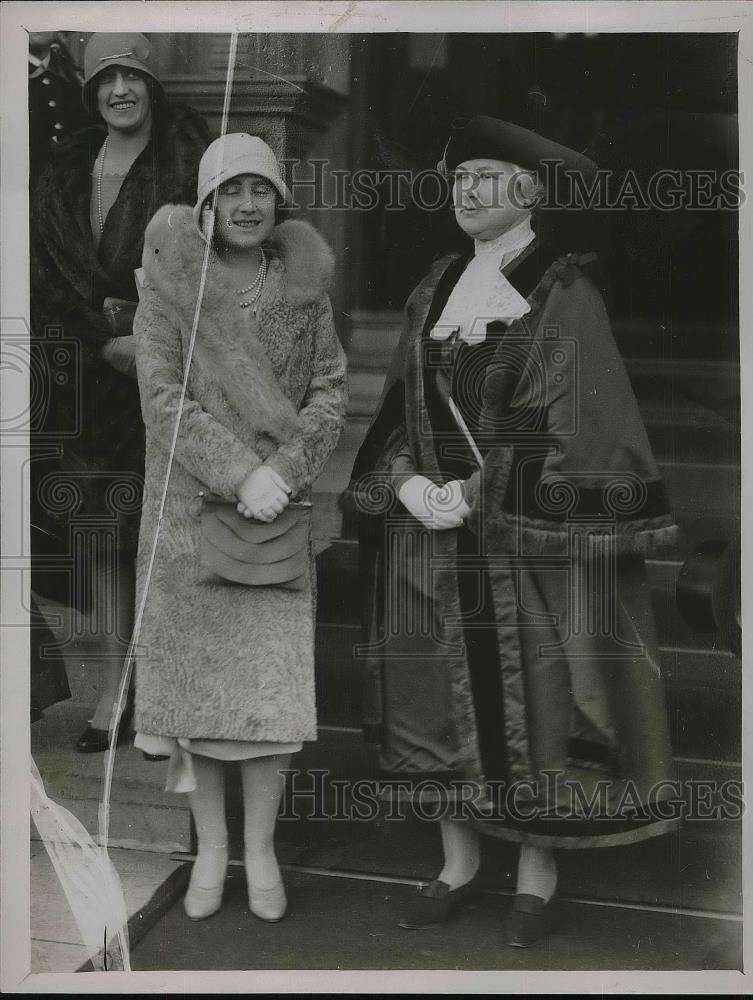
(497, 652)
(215, 660)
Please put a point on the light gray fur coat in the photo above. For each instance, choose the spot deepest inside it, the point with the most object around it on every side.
(214, 660)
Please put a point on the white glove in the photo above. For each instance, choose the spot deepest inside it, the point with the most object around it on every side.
(120, 352)
(457, 501)
(436, 507)
(263, 494)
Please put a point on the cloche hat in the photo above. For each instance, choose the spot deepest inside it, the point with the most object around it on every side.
(233, 154)
(114, 48)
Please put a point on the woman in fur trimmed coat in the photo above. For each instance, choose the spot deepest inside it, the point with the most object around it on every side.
(89, 211)
(509, 496)
(225, 671)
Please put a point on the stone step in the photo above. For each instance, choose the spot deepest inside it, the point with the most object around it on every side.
(143, 816)
(673, 630)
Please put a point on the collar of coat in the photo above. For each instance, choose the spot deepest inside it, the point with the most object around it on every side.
(229, 344)
(182, 137)
(174, 254)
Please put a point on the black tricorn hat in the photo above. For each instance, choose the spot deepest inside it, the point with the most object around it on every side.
(482, 136)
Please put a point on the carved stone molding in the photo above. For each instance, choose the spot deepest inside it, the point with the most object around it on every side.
(289, 113)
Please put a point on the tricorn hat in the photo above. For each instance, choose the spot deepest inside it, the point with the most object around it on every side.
(482, 136)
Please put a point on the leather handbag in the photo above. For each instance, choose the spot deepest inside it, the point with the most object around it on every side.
(119, 314)
(236, 549)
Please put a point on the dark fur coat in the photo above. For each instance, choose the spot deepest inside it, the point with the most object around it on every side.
(94, 418)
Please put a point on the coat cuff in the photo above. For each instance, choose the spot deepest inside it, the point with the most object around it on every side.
(285, 469)
(471, 488)
(240, 469)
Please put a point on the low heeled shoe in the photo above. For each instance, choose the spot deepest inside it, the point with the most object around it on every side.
(268, 904)
(200, 903)
(437, 903)
(530, 919)
(98, 740)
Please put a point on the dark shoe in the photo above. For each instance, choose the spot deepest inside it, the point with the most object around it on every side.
(93, 741)
(437, 902)
(529, 920)
(154, 756)
(98, 740)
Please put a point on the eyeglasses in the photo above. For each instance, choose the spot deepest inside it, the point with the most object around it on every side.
(475, 176)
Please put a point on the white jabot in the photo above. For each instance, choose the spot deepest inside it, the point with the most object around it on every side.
(483, 294)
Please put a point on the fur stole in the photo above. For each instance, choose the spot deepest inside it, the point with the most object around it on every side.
(227, 344)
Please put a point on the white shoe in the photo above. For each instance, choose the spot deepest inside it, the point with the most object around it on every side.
(200, 903)
(268, 904)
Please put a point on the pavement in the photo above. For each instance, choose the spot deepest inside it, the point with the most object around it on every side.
(669, 903)
(348, 922)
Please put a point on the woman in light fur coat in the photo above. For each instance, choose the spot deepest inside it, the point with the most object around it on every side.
(225, 671)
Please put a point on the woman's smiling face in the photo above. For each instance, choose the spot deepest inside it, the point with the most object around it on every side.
(245, 211)
(123, 98)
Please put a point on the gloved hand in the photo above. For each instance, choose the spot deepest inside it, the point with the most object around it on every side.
(263, 494)
(120, 352)
(457, 499)
(436, 507)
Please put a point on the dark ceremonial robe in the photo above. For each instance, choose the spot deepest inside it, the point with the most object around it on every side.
(521, 644)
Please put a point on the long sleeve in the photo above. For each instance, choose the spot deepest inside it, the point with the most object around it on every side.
(322, 415)
(56, 303)
(204, 447)
(120, 352)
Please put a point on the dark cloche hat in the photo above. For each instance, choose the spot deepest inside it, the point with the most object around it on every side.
(482, 136)
(114, 48)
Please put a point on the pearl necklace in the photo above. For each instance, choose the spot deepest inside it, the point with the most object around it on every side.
(99, 184)
(256, 286)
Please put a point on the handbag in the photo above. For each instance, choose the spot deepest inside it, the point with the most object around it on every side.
(237, 549)
(119, 314)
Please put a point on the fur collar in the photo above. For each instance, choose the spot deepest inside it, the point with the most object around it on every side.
(182, 133)
(174, 253)
(227, 347)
